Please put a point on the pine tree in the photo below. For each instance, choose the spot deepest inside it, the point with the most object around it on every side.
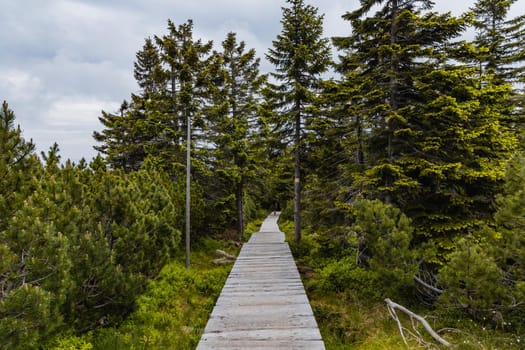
(300, 55)
(36, 285)
(233, 120)
(27, 311)
(18, 164)
(499, 41)
(499, 53)
(434, 145)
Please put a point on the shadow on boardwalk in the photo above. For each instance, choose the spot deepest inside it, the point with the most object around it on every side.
(263, 304)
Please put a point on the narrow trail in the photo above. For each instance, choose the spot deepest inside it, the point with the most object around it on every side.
(263, 304)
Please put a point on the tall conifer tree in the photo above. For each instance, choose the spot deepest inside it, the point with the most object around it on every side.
(500, 53)
(433, 143)
(233, 119)
(172, 72)
(300, 55)
(499, 40)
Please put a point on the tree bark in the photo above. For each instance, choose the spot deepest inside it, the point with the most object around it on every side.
(239, 196)
(297, 175)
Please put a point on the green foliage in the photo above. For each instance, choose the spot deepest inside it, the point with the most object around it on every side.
(498, 42)
(345, 275)
(472, 280)
(485, 277)
(27, 315)
(425, 134)
(381, 264)
(172, 312)
(347, 322)
(300, 55)
(18, 164)
(424, 137)
(172, 71)
(81, 246)
(233, 120)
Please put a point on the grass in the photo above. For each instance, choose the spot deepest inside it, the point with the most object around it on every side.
(173, 311)
(349, 320)
(176, 306)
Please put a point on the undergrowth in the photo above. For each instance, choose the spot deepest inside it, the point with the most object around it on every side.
(171, 314)
(355, 319)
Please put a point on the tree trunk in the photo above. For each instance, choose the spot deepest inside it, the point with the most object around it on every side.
(188, 190)
(394, 88)
(359, 157)
(297, 175)
(239, 196)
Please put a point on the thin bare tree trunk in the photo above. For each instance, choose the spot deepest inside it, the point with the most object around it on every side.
(297, 176)
(240, 210)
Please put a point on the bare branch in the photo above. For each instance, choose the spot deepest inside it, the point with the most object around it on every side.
(392, 306)
(428, 286)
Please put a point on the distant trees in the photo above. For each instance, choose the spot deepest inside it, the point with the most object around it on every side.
(173, 73)
(182, 80)
(499, 40)
(499, 54)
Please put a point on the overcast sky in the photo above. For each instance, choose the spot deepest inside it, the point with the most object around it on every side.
(63, 61)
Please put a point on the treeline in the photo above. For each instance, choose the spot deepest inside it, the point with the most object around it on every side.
(398, 163)
(405, 169)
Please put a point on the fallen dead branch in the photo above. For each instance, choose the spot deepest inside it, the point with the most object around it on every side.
(225, 258)
(392, 307)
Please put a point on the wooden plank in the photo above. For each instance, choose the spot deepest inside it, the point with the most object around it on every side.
(263, 304)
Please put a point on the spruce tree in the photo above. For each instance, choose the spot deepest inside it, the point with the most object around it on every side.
(382, 58)
(233, 120)
(184, 62)
(432, 139)
(147, 69)
(499, 40)
(300, 55)
(125, 135)
(18, 164)
(499, 53)
(171, 71)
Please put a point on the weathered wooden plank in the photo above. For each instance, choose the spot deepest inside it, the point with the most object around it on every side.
(265, 344)
(263, 304)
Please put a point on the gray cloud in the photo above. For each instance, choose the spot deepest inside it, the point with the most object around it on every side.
(63, 61)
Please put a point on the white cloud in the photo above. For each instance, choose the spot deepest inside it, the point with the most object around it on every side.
(81, 111)
(19, 85)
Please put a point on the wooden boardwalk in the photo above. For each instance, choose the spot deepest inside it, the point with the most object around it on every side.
(263, 304)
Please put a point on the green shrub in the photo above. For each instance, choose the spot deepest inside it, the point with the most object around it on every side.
(345, 276)
(171, 314)
(378, 261)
